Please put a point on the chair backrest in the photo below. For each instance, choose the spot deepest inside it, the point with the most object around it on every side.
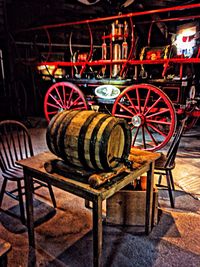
(15, 144)
(173, 149)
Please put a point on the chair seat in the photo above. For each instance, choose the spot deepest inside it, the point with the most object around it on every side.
(160, 164)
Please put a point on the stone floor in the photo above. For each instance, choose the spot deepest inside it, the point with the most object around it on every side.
(65, 238)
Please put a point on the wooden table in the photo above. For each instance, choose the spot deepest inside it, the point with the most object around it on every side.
(34, 167)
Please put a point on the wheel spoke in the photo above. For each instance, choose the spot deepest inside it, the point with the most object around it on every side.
(143, 137)
(52, 112)
(132, 104)
(157, 130)
(158, 113)
(55, 100)
(127, 109)
(146, 100)
(135, 136)
(52, 105)
(159, 122)
(61, 100)
(154, 104)
(64, 95)
(138, 99)
(151, 136)
(76, 101)
(123, 116)
(69, 99)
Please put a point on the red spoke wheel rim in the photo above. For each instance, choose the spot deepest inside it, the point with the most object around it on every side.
(150, 114)
(63, 96)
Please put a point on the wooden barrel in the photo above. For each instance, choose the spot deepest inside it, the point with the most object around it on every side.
(89, 139)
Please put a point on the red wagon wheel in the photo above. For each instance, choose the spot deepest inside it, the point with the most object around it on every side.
(150, 114)
(63, 96)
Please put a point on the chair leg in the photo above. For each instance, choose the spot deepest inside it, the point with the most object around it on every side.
(159, 179)
(21, 203)
(169, 189)
(3, 188)
(171, 179)
(52, 195)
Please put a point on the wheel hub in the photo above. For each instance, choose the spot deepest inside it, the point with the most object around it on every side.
(137, 120)
(61, 109)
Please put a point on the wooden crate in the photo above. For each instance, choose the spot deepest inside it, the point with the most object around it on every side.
(127, 207)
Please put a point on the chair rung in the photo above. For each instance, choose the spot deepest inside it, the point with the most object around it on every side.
(40, 184)
(161, 173)
(161, 185)
(37, 187)
(10, 194)
(13, 191)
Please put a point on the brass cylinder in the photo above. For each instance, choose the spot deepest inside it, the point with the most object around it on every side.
(116, 56)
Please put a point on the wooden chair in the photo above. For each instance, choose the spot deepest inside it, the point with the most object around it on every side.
(166, 163)
(15, 144)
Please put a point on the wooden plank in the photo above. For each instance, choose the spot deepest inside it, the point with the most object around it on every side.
(127, 207)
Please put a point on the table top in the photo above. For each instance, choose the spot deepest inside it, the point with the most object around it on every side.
(34, 166)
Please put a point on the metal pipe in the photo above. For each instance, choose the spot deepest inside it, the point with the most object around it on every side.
(169, 19)
(132, 14)
(131, 49)
(55, 45)
(91, 50)
(122, 61)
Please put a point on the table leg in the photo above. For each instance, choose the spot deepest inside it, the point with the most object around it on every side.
(88, 204)
(4, 261)
(28, 181)
(149, 199)
(97, 232)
